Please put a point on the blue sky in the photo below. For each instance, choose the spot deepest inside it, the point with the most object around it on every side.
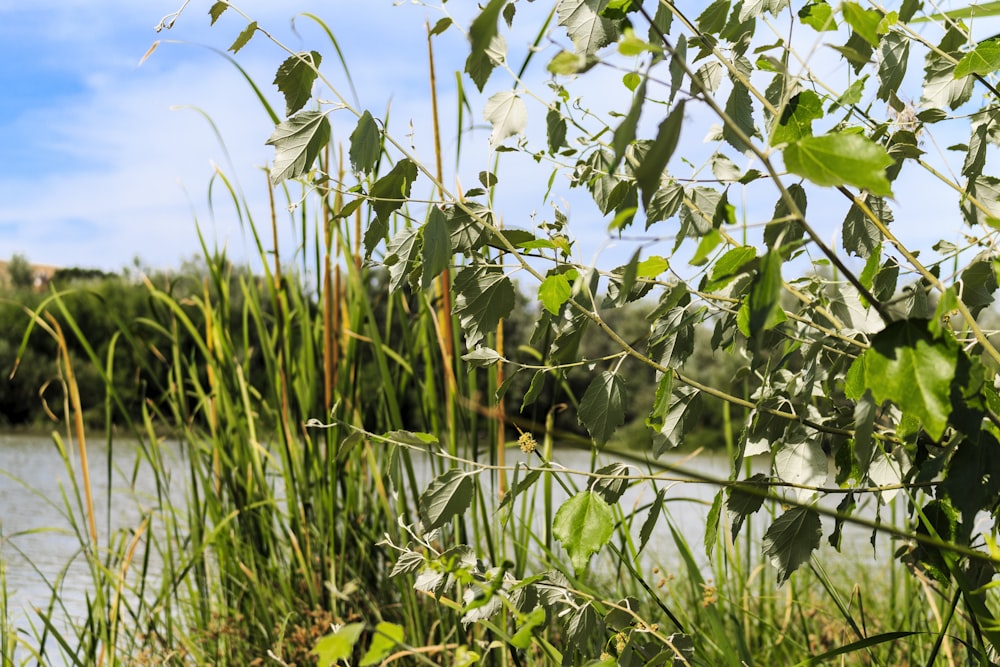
(105, 160)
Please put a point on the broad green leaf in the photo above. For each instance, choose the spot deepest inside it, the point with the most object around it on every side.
(865, 22)
(985, 190)
(732, 264)
(332, 648)
(712, 524)
(841, 159)
(713, 19)
(860, 235)
(624, 134)
(568, 63)
(526, 628)
(818, 16)
(436, 246)
(441, 26)
(366, 144)
(555, 129)
(447, 496)
(671, 339)
(743, 502)
(791, 539)
(908, 366)
(665, 203)
(585, 25)
(631, 45)
(216, 10)
(764, 301)
(613, 486)
(796, 118)
(984, 60)
(386, 638)
(479, 65)
(583, 524)
(297, 142)
(682, 413)
(392, 190)
(800, 459)
(785, 231)
(483, 296)
(979, 282)
(650, 170)
(403, 258)
(698, 212)
(894, 55)
(554, 291)
(508, 115)
(602, 408)
(941, 88)
(651, 267)
(244, 37)
(295, 78)
(739, 108)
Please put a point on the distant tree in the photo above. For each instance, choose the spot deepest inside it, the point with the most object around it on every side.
(19, 271)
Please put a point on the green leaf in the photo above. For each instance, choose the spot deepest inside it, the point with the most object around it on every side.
(941, 88)
(483, 296)
(244, 37)
(602, 408)
(713, 19)
(979, 282)
(651, 267)
(908, 366)
(796, 118)
(712, 524)
(568, 63)
(508, 115)
(665, 203)
(818, 16)
(297, 142)
(860, 235)
(791, 539)
(555, 129)
(583, 524)
(585, 25)
(739, 108)
(554, 291)
(984, 60)
(764, 302)
(295, 78)
(681, 415)
(526, 628)
(613, 486)
(447, 496)
(801, 460)
(392, 190)
(731, 265)
(865, 22)
(482, 357)
(366, 144)
(386, 638)
(479, 65)
(338, 646)
(441, 26)
(841, 159)
(624, 134)
(742, 502)
(436, 246)
(631, 45)
(216, 10)
(403, 258)
(650, 170)
(894, 55)
(652, 518)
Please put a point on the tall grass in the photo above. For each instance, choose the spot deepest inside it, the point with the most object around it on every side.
(292, 395)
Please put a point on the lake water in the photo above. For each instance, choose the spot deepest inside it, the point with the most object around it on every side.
(39, 544)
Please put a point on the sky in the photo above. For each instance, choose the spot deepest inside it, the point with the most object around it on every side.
(109, 157)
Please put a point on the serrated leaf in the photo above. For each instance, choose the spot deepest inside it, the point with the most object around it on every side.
(409, 562)
(664, 203)
(366, 144)
(585, 25)
(652, 267)
(682, 413)
(244, 37)
(841, 159)
(447, 496)
(979, 282)
(941, 88)
(332, 648)
(583, 524)
(508, 115)
(479, 65)
(860, 235)
(602, 408)
(865, 22)
(613, 486)
(908, 366)
(436, 247)
(894, 55)
(764, 301)
(386, 638)
(392, 190)
(742, 502)
(297, 142)
(624, 134)
(739, 109)
(554, 291)
(983, 60)
(713, 18)
(555, 129)
(819, 16)
(732, 264)
(801, 460)
(568, 63)
(482, 357)
(791, 539)
(796, 118)
(403, 258)
(216, 10)
(712, 524)
(650, 170)
(295, 78)
(483, 296)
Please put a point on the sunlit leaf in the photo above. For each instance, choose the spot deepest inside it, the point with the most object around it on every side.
(796, 118)
(366, 144)
(297, 143)
(585, 25)
(483, 296)
(819, 16)
(295, 78)
(583, 524)
(894, 55)
(244, 37)
(507, 113)
(554, 291)
(216, 10)
(650, 170)
(865, 22)
(479, 65)
(801, 460)
(984, 59)
(385, 639)
(332, 648)
(841, 159)
(941, 88)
